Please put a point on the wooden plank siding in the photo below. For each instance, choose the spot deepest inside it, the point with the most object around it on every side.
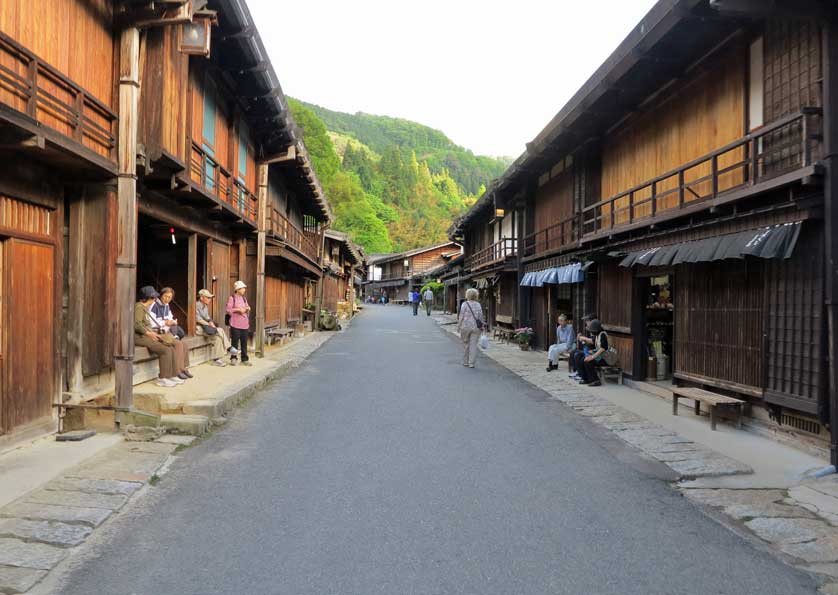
(28, 311)
(74, 36)
(614, 308)
(554, 205)
(704, 113)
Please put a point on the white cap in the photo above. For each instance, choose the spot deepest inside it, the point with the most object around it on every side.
(238, 285)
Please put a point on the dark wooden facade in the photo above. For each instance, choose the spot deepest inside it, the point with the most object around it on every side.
(204, 125)
(341, 257)
(725, 138)
(396, 274)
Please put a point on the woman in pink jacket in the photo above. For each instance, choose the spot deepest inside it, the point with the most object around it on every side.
(239, 312)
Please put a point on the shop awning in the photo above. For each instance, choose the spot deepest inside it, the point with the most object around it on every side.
(382, 284)
(484, 282)
(571, 273)
(768, 242)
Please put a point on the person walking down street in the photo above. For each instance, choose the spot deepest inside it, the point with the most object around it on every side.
(586, 365)
(564, 343)
(146, 335)
(239, 311)
(414, 301)
(206, 326)
(429, 300)
(469, 324)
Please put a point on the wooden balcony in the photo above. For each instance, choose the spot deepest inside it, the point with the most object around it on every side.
(552, 238)
(771, 156)
(48, 106)
(304, 242)
(491, 255)
(215, 180)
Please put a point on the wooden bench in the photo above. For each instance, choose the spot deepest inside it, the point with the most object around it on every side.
(610, 373)
(275, 333)
(713, 400)
(503, 328)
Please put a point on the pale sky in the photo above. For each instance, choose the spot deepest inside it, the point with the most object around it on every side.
(488, 74)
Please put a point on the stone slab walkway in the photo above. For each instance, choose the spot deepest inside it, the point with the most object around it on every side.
(799, 523)
(38, 529)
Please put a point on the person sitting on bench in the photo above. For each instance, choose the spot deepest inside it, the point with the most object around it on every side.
(204, 325)
(586, 365)
(564, 343)
(146, 334)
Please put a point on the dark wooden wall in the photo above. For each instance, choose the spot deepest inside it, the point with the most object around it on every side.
(792, 65)
(719, 321)
(795, 356)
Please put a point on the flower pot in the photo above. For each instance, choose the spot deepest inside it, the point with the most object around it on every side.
(524, 346)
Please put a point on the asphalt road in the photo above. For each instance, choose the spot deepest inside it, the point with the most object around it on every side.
(384, 466)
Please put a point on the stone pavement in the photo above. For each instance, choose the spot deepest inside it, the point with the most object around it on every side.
(799, 522)
(38, 529)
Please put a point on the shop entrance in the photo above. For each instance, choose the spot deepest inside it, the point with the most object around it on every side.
(164, 263)
(657, 337)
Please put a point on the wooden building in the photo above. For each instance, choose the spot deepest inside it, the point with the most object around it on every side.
(489, 235)
(395, 275)
(145, 141)
(683, 196)
(341, 258)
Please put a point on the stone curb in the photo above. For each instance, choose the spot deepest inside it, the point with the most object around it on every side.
(684, 457)
(38, 530)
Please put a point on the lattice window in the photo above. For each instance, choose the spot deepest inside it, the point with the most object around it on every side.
(25, 217)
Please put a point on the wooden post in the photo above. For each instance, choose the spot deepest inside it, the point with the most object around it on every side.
(318, 303)
(830, 150)
(261, 231)
(126, 258)
(192, 282)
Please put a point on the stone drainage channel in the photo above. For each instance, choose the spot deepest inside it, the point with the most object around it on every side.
(800, 524)
(40, 529)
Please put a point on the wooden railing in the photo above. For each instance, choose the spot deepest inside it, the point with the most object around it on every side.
(33, 87)
(304, 242)
(497, 252)
(206, 171)
(777, 148)
(553, 237)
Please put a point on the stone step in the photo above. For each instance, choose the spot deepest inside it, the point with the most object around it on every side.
(210, 408)
(193, 425)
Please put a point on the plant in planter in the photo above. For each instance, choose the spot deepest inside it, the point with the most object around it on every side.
(523, 336)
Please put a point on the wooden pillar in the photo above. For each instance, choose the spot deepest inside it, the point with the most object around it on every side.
(126, 258)
(830, 150)
(192, 282)
(261, 231)
(318, 300)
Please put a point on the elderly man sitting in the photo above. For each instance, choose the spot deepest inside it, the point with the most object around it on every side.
(565, 342)
(205, 326)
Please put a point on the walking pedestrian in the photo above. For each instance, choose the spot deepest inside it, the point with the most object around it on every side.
(469, 324)
(239, 311)
(414, 301)
(429, 300)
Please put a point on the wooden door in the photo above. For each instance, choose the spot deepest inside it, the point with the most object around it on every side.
(218, 264)
(27, 313)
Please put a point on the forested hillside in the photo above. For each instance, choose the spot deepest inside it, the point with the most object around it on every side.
(393, 184)
(381, 132)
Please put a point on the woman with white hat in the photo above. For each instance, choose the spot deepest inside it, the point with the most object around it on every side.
(239, 311)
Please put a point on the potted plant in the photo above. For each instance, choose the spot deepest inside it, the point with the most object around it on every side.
(523, 336)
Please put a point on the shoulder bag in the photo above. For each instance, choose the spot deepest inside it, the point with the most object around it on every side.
(479, 321)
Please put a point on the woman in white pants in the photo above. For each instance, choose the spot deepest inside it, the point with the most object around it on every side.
(469, 324)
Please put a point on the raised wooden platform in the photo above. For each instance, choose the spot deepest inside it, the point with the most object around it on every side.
(713, 400)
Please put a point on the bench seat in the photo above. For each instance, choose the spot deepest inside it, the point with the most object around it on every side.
(713, 400)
